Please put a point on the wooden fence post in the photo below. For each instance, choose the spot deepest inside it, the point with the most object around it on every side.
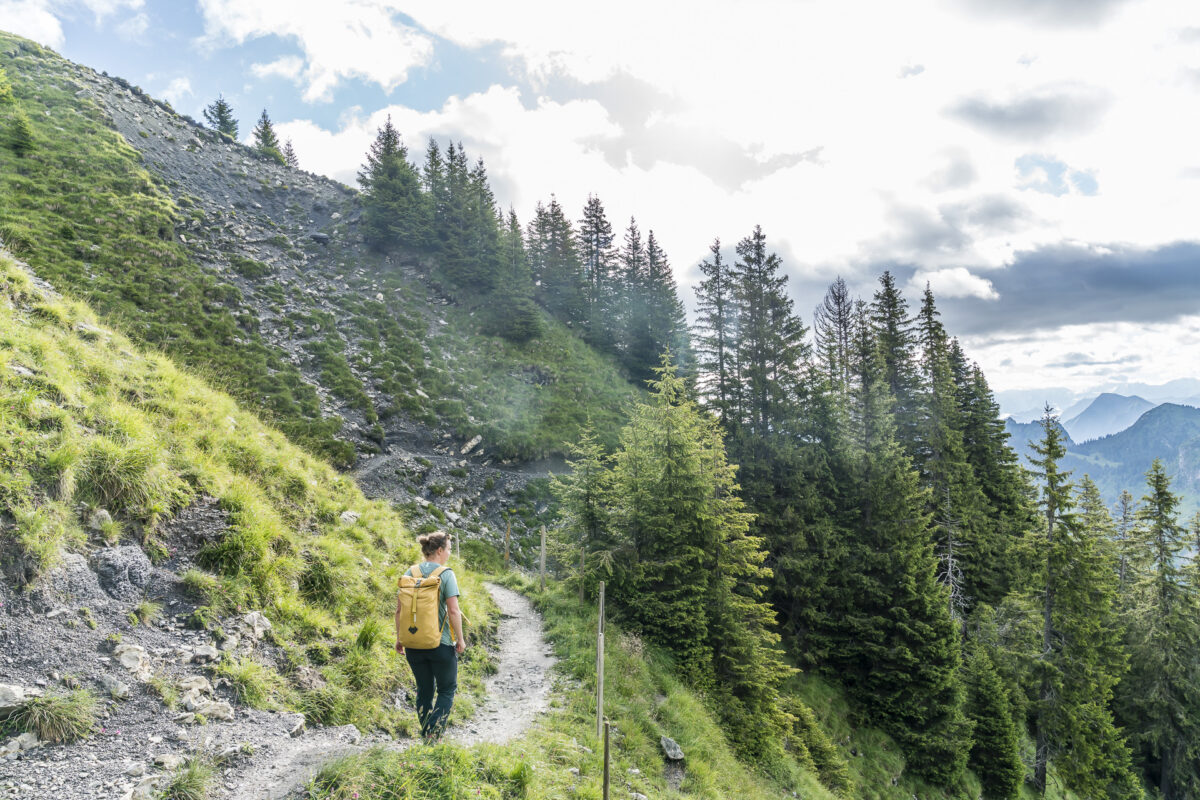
(542, 561)
(600, 666)
(507, 534)
(606, 726)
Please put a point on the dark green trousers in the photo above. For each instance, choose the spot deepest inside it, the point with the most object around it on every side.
(436, 671)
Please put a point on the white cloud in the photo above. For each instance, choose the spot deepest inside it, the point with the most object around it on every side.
(176, 91)
(953, 282)
(288, 67)
(32, 19)
(134, 27)
(348, 39)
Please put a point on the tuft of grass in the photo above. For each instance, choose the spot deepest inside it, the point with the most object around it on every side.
(190, 781)
(146, 612)
(254, 684)
(369, 634)
(166, 690)
(443, 771)
(58, 717)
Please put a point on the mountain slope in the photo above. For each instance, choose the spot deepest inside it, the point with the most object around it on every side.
(201, 247)
(1107, 414)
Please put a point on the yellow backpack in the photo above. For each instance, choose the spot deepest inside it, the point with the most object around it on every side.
(420, 623)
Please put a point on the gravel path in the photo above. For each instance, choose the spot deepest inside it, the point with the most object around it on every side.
(516, 695)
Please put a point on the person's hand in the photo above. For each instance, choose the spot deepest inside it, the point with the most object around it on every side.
(399, 648)
(460, 647)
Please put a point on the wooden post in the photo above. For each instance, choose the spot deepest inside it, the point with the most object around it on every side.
(600, 666)
(542, 560)
(606, 726)
(507, 534)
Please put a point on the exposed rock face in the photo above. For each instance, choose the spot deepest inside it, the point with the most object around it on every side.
(123, 571)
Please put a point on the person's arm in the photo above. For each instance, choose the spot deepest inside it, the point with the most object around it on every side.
(454, 617)
(399, 647)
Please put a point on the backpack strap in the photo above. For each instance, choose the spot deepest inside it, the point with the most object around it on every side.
(415, 571)
(437, 572)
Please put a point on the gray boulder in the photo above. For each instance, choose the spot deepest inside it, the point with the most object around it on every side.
(671, 749)
(11, 698)
(123, 571)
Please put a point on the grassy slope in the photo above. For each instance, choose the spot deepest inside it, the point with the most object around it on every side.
(87, 420)
(85, 213)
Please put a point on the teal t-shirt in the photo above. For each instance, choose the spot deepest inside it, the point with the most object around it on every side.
(449, 589)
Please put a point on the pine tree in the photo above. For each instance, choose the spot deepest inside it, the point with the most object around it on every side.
(393, 207)
(289, 155)
(899, 648)
(599, 260)
(996, 751)
(833, 324)
(265, 140)
(585, 495)
(1080, 660)
(716, 328)
(659, 323)
(895, 340)
(219, 116)
(554, 263)
(512, 313)
(1161, 696)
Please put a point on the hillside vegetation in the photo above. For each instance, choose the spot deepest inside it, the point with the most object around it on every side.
(337, 357)
(89, 422)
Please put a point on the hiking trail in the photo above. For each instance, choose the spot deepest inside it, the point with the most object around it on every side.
(516, 695)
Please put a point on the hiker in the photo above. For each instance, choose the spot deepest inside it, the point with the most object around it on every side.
(432, 653)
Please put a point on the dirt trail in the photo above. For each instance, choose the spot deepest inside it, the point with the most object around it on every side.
(516, 695)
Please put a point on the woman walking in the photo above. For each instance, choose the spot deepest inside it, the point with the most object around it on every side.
(436, 668)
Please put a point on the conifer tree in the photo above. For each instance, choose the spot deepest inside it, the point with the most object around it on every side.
(393, 213)
(658, 322)
(265, 140)
(1079, 661)
(6, 92)
(833, 325)
(716, 328)
(585, 494)
(599, 260)
(899, 649)
(554, 263)
(895, 340)
(219, 116)
(289, 155)
(996, 751)
(1161, 696)
(512, 312)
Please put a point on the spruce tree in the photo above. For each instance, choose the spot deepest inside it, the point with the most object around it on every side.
(1080, 659)
(554, 263)
(996, 751)
(393, 206)
(289, 155)
(899, 649)
(265, 140)
(585, 495)
(1161, 696)
(895, 340)
(716, 323)
(599, 260)
(833, 324)
(219, 116)
(512, 313)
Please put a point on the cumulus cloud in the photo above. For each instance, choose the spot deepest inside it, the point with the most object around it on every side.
(32, 19)
(954, 282)
(351, 39)
(1052, 12)
(289, 67)
(177, 90)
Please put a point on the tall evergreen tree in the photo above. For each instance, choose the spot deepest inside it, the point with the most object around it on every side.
(600, 275)
(265, 140)
(658, 322)
(1080, 660)
(716, 324)
(219, 116)
(393, 213)
(895, 340)
(833, 329)
(512, 312)
(585, 495)
(1161, 696)
(554, 263)
(996, 749)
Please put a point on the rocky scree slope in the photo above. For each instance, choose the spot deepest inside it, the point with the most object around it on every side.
(164, 551)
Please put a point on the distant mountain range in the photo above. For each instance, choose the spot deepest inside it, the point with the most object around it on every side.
(1026, 405)
(1107, 414)
(1116, 462)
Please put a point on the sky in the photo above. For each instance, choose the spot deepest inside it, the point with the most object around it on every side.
(1034, 161)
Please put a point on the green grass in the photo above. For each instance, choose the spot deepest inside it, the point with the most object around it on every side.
(57, 717)
(151, 439)
(190, 781)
